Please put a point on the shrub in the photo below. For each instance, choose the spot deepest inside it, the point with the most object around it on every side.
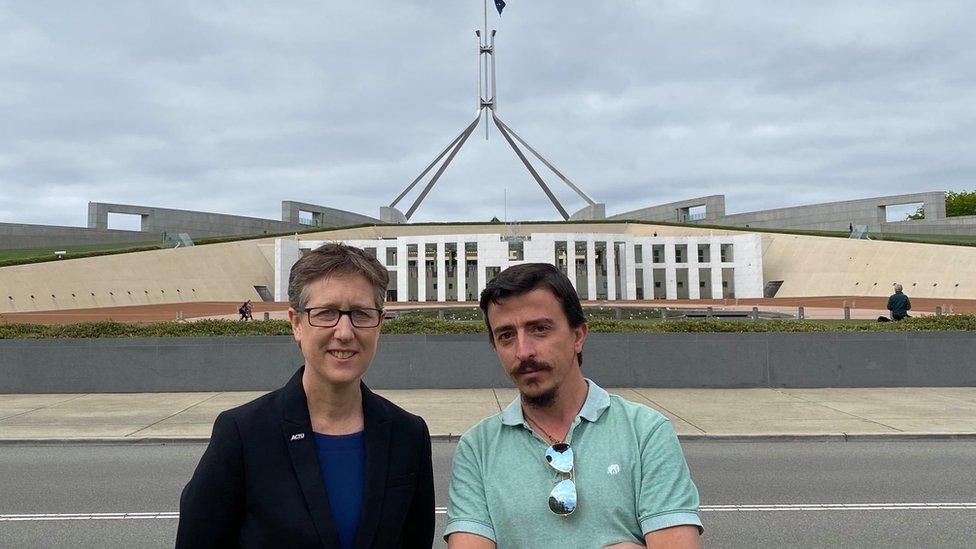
(421, 324)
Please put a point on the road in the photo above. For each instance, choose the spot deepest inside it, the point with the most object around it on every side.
(753, 494)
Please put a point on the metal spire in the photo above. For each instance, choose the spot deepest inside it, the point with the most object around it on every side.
(487, 101)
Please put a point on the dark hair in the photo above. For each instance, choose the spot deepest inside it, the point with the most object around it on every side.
(522, 279)
(333, 259)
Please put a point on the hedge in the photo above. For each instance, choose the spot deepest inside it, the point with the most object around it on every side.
(419, 324)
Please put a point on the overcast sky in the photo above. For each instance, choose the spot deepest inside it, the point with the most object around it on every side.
(232, 107)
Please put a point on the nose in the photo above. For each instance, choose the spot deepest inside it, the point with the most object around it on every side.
(344, 329)
(524, 348)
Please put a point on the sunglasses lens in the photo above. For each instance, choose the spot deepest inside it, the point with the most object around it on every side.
(562, 499)
(560, 456)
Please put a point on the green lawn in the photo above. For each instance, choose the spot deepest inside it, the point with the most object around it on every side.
(17, 257)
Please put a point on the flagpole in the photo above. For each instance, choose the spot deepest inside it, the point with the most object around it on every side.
(486, 64)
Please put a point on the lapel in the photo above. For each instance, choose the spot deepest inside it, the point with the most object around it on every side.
(377, 435)
(296, 428)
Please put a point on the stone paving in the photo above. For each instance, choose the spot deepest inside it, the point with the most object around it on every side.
(695, 413)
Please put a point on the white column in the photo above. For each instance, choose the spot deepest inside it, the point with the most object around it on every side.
(480, 269)
(402, 270)
(287, 253)
(421, 270)
(647, 259)
(670, 270)
(441, 271)
(694, 291)
(381, 257)
(611, 269)
(630, 270)
(571, 261)
(590, 268)
(461, 271)
(714, 256)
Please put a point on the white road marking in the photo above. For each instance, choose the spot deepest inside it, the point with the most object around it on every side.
(89, 516)
(840, 507)
(169, 515)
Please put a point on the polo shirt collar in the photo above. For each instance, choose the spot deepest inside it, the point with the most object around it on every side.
(597, 401)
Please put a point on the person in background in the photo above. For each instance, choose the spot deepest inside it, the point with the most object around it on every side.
(323, 461)
(899, 304)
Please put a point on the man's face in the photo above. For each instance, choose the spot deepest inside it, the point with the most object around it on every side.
(339, 355)
(535, 343)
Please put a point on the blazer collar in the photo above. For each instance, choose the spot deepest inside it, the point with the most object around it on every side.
(297, 431)
(377, 433)
(296, 428)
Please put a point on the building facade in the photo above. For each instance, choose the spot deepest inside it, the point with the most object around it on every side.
(456, 267)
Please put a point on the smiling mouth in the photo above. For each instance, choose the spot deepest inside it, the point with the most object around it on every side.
(342, 354)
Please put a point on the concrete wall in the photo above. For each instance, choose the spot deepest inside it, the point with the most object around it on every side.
(828, 216)
(196, 224)
(895, 359)
(959, 225)
(676, 212)
(837, 216)
(322, 216)
(157, 222)
(23, 236)
(215, 272)
(818, 266)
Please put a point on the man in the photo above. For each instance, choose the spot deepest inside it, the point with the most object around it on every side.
(899, 304)
(565, 464)
(323, 461)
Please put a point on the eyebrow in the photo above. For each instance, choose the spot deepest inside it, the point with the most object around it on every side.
(529, 324)
(336, 306)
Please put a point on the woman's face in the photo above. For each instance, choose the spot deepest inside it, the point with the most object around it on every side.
(341, 354)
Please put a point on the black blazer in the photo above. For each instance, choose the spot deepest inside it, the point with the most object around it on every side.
(259, 483)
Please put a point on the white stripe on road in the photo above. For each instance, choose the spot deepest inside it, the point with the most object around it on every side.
(840, 507)
(443, 510)
(90, 516)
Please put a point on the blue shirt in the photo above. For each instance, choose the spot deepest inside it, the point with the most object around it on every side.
(341, 458)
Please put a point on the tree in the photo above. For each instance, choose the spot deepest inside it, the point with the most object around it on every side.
(957, 203)
(960, 203)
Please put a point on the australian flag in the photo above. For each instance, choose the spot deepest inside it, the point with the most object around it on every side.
(499, 5)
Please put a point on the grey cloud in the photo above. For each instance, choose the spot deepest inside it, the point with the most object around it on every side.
(233, 107)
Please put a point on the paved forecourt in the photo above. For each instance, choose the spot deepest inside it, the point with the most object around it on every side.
(830, 413)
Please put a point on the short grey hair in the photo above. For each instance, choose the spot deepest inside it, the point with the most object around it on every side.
(898, 287)
(335, 258)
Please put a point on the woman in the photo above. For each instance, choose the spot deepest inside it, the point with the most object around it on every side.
(321, 462)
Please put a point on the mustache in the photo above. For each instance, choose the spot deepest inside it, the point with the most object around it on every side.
(531, 365)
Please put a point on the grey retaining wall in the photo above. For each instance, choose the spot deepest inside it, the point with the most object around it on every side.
(878, 359)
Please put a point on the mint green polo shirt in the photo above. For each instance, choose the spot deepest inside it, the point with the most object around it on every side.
(631, 478)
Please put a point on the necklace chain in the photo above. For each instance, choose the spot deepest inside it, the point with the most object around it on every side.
(551, 438)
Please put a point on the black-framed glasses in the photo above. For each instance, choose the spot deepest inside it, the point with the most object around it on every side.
(328, 317)
(562, 499)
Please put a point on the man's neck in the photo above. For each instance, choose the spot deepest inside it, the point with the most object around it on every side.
(563, 410)
(333, 410)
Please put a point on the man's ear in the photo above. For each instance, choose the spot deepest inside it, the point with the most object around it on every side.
(580, 332)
